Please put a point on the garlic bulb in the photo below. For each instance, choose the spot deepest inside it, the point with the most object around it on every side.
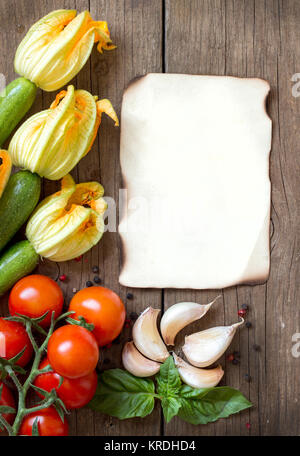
(180, 315)
(195, 377)
(205, 347)
(135, 363)
(146, 336)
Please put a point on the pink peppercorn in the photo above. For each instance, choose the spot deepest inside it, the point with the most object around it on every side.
(242, 313)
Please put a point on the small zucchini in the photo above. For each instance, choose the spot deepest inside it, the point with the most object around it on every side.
(15, 100)
(16, 262)
(19, 198)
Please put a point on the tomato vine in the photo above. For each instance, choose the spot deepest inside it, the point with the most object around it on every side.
(11, 369)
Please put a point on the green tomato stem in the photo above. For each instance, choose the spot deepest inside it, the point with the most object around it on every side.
(6, 425)
(32, 340)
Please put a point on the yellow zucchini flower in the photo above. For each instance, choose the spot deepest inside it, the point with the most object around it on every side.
(68, 223)
(5, 169)
(57, 46)
(51, 142)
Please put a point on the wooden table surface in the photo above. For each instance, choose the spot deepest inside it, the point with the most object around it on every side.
(253, 38)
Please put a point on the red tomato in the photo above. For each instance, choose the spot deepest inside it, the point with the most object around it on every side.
(49, 423)
(103, 308)
(74, 392)
(13, 338)
(6, 398)
(73, 351)
(34, 295)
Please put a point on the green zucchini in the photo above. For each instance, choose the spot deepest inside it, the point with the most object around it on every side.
(16, 262)
(15, 100)
(18, 200)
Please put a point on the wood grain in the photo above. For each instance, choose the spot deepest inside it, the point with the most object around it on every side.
(222, 37)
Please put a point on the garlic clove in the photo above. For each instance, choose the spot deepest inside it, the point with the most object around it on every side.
(195, 377)
(146, 336)
(180, 315)
(135, 363)
(203, 348)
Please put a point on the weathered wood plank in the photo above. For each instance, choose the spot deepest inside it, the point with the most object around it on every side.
(253, 38)
(194, 43)
(136, 29)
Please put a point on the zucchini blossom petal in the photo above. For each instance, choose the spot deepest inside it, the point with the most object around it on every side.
(5, 169)
(57, 46)
(51, 142)
(68, 223)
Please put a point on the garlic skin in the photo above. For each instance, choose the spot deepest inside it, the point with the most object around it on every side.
(203, 348)
(195, 377)
(146, 336)
(180, 315)
(135, 363)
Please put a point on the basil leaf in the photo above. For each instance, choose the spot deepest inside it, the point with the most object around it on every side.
(168, 380)
(170, 407)
(168, 388)
(202, 406)
(123, 395)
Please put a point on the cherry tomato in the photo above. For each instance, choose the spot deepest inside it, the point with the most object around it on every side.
(34, 295)
(13, 338)
(6, 398)
(74, 392)
(49, 423)
(103, 308)
(73, 351)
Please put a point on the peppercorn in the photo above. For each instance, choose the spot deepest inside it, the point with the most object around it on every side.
(256, 347)
(95, 269)
(133, 316)
(248, 378)
(129, 296)
(62, 277)
(97, 279)
(235, 361)
(89, 283)
(248, 324)
(106, 361)
(117, 340)
(244, 307)
(236, 354)
(242, 313)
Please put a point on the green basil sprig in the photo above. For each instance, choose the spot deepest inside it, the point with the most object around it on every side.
(123, 395)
